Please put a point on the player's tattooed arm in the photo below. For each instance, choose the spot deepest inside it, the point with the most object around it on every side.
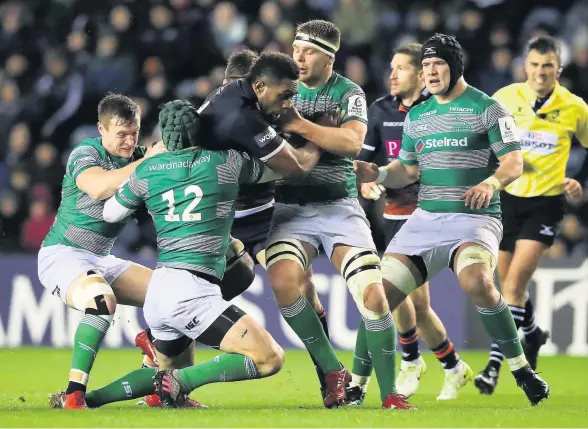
(395, 175)
(100, 184)
(346, 140)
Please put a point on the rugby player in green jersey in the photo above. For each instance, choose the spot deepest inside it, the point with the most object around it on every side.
(463, 147)
(190, 193)
(321, 210)
(74, 262)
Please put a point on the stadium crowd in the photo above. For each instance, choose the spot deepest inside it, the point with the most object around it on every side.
(59, 57)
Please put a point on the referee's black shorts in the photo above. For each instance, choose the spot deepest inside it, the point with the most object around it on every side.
(532, 218)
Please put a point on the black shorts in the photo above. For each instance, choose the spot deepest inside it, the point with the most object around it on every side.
(391, 228)
(252, 230)
(533, 218)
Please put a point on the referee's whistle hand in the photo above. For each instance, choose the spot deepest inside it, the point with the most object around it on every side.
(573, 190)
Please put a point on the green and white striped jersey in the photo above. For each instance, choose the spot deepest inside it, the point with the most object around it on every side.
(79, 222)
(332, 178)
(456, 146)
(191, 195)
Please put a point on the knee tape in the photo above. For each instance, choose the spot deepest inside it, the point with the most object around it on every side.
(398, 274)
(474, 255)
(289, 249)
(361, 268)
(235, 251)
(87, 288)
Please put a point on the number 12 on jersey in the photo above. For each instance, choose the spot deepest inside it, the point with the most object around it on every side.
(187, 215)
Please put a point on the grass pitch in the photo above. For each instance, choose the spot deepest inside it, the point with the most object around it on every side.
(289, 399)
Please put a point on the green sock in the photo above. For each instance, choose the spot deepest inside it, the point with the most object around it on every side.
(223, 368)
(305, 322)
(133, 385)
(381, 342)
(362, 363)
(87, 341)
(500, 325)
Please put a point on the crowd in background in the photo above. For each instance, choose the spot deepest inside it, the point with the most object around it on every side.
(59, 57)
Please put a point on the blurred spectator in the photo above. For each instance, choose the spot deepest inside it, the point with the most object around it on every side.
(47, 170)
(229, 28)
(39, 221)
(60, 90)
(498, 74)
(78, 48)
(355, 19)
(575, 75)
(110, 70)
(19, 143)
(10, 222)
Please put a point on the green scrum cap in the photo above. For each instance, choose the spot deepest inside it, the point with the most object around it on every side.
(179, 123)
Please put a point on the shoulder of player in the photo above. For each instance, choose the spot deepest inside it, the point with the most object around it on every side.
(571, 98)
(89, 147)
(345, 87)
(508, 91)
(419, 109)
(380, 103)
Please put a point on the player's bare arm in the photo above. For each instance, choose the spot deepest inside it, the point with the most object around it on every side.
(395, 175)
(346, 140)
(100, 184)
(290, 162)
(510, 169)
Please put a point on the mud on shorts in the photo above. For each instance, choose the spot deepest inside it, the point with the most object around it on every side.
(436, 236)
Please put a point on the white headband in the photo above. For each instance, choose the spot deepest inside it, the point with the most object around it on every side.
(322, 45)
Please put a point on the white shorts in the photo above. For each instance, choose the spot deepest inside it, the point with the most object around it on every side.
(179, 303)
(339, 222)
(59, 265)
(435, 236)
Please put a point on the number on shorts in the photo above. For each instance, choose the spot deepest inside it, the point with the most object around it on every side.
(187, 215)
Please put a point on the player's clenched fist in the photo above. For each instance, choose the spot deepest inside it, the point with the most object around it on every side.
(290, 120)
(365, 171)
(479, 196)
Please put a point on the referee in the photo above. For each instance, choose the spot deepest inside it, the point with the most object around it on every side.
(547, 117)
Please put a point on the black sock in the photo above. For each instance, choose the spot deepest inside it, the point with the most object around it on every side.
(322, 315)
(73, 387)
(529, 326)
(446, 354)
(409, 342)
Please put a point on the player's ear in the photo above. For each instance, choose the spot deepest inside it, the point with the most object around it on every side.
(331, 61)
(259, 87)
(101, 128)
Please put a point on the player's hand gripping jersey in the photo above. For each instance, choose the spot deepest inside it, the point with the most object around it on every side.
(79, 222)
(191, 196)
(456, 146)
(333, 177)
(545, 136)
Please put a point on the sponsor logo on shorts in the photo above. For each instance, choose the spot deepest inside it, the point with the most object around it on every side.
(547, 230)
(392, 148)
(262, 139)
(444, 142)
(193, 323)
(56, 291)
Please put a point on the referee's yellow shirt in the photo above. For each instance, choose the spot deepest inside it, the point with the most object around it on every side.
(545, 136)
